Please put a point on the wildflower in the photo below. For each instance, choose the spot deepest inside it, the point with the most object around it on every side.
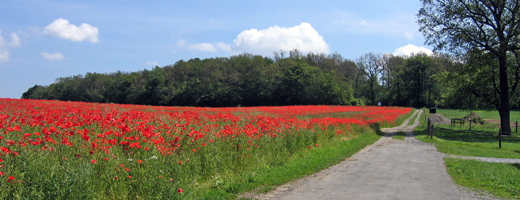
(115, 178)
(146, 148)
(180, 163)
(128, 170)
(179, 190)
(140, 162)
(10, 178)
(171, 179)
(129, 177)
(310, 147)
(315, 144)
(93, 161)
(106, 159)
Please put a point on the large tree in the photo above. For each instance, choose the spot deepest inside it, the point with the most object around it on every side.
(371, 65)
(491, 26)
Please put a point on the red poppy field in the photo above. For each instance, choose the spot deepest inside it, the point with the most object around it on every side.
(74, 150)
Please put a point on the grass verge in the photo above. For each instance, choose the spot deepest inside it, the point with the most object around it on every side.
(264, 179)
(500, 179)
(399, 120)
(467, 144)
(453, 113)
(399, 135)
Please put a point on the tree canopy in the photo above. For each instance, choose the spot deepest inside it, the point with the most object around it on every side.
(490, 28)
(252, 80)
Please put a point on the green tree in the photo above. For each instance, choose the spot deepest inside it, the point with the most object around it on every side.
(491, 26)
(371, 65)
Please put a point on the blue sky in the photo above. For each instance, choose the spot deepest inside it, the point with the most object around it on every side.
(43, 40)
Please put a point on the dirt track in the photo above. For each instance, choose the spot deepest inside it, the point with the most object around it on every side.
(387, 169)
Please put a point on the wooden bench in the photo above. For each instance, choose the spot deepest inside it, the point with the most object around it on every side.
(459, 121)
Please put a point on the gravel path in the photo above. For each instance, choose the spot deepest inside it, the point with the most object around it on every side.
(485, 159)
(387, 169)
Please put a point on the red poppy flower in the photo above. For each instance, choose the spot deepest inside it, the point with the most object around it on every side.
(10, 178)
(140, 162)
(179, 190)
(93, 161)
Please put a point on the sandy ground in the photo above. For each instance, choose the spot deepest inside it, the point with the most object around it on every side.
(387, 169)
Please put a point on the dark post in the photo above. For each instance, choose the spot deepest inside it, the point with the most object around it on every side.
(431, 136)
(516, 126)
(470, 124)
(499, 138)
(429, 128)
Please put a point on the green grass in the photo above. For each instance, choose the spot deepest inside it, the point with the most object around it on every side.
(415, 117)
(399, 120)
(466, 144)
(264, 179)
(500, 179)
(453, 113)
(399, 136)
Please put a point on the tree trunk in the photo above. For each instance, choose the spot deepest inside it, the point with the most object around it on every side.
(504, 109)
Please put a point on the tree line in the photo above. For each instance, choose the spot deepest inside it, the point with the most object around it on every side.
(286, 78)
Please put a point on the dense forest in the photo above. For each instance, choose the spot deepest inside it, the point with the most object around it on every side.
(286, 78)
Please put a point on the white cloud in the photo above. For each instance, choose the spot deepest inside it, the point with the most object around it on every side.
(5, 45)
(15, 41)
(180, 42)
(153, 63)
(4, 55)
(302, 37)
(52, 56)
(63, 29)
(224, 46)
(204, 47)
(411, 49)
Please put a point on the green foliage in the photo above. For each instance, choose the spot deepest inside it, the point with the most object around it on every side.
(245, 80)
(485, 31)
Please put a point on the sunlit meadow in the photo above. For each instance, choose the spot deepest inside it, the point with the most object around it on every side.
(74, 150)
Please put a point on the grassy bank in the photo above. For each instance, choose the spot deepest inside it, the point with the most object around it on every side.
(498, 179)
(453, 113)
(459, 142)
